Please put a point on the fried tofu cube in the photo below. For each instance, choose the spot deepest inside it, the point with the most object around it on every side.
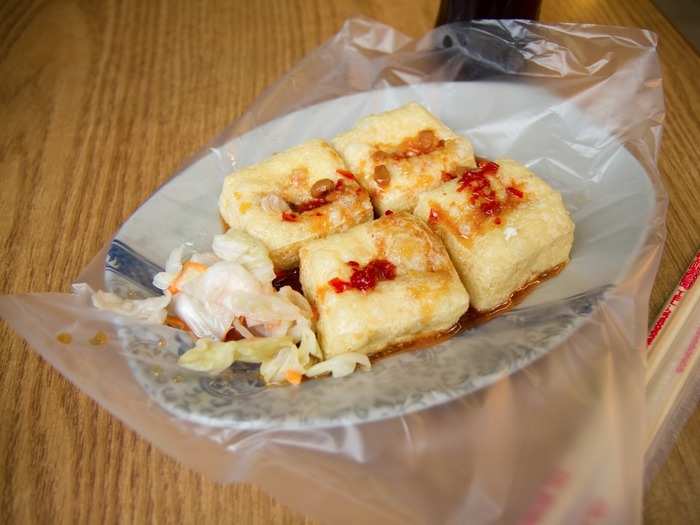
(381, 284)
(295, 196)
(400, 153)
(502, 226)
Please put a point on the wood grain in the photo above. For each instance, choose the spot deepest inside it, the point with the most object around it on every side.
(99, 105)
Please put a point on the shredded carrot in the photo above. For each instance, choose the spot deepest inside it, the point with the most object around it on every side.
(293, 377)
(189, 265)
(345, 173)
(194, 266)
(176, 322)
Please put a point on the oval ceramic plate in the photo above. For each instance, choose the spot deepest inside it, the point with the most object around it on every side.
(604, 187)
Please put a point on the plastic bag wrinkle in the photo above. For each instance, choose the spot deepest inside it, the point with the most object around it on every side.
(556, 442)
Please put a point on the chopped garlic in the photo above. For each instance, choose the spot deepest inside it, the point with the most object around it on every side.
(510, 232)
(273, 203)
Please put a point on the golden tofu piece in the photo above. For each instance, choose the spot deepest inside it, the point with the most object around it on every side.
(502, 226)
(380, 284)
(400, 153)
(295, 196)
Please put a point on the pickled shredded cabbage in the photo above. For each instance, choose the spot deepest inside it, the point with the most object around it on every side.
(231, 287)
(340, 365)
(213, 357)
(241, 247)
(151, 310)
(173, 266)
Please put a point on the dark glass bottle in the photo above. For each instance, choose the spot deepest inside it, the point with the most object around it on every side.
(465, 10)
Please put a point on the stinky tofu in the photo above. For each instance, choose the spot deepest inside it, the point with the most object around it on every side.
(502, 226)
(399, 153)
(381, 284)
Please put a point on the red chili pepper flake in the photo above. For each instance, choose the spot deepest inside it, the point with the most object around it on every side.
(490, 208)
(377, 270)
(487, 165)
(309, 205)
(339, 185)
(433, 216)
(475, 178)
(388, 212)
(345, 173)
(339, 285)
(364, 279)
(447, 176)
(387, 269)
(515, 191)
(289, 216)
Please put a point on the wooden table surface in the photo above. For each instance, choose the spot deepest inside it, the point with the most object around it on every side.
(99, 104)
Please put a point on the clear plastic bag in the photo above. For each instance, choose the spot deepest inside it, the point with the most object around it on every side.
(558, 441)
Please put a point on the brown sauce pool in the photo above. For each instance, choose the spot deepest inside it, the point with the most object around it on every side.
(287, 278)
